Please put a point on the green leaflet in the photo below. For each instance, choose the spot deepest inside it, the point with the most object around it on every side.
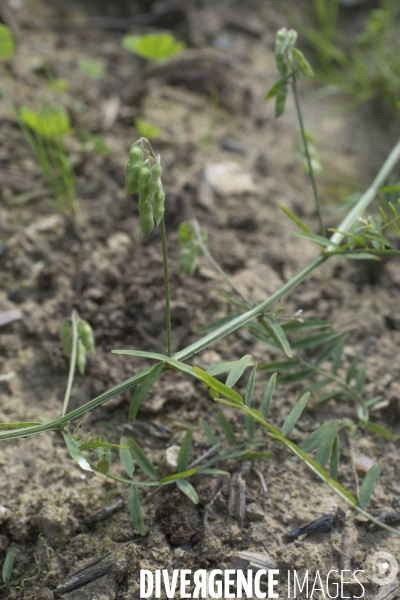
(250, 386)
(368, 485)
(327, 441)
(176, 476)
(207, 432)
(184, 452)
(250, 425)
(8, 565)
(279, 336)
(315, 438)
(73, 448)
(295, 414)
(144, 463)
(145, 385)
(219, 387)
(303, 62)
(126, 457)
(237, 371)
(226, 428)
(296, 219)
(188, 489)
(334, 466)
(136, 510)
(267, 398)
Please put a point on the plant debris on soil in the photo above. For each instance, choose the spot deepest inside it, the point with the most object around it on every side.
(229, 163)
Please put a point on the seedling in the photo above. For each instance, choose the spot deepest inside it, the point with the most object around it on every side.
(143, 174)
(159, 47)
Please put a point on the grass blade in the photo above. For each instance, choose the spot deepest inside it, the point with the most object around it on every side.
(250, 386)
(136, 510)
(295, 414)
(145, 385)
(368, 485)
(238, 370)
(126, 457)
(267, 398)
(226, 428)
(144, 463)
(188, 489)
(184, 452)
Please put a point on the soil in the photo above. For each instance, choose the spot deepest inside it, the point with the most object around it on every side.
(207, 102)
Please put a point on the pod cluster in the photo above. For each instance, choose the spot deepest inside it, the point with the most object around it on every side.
(144, 175)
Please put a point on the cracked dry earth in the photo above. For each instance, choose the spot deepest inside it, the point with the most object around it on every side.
(229, 163)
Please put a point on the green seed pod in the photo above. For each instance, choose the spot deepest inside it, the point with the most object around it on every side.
(159, 204)
(81, 357)
(146, 217)
(143, 183)
(66, 337)
(86, 335)
(133, 167)
(155, 177)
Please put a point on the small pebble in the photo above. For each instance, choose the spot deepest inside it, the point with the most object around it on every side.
(363, 464)
(171, 458)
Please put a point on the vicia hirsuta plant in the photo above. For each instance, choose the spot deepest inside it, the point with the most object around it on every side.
(143, 174)
(291, 63)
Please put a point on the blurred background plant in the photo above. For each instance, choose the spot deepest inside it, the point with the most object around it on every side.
(362, 64)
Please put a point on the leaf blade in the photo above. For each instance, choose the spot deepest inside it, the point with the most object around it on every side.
(295, 414)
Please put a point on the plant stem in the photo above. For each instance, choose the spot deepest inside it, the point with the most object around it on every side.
(366, 198)
(305, 143)
(216, 266)
(72, 365)
(166, 286)
(350, 391)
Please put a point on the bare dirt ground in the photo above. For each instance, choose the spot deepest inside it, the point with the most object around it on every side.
(203, 100)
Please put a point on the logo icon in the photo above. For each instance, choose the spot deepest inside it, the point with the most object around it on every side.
(384, 568)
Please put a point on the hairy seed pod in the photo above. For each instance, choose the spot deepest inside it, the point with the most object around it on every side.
(133, 167)
(66, 337)
(159, 204)
(155, 177)
(143, 183)
(146, 217)
(86, 335)
(81, 357)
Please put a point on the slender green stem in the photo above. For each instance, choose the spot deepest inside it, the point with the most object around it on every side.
(166, 286)
(74, 323)
(217, 266)
(366, 198)
(305, 143)
(350, 391)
